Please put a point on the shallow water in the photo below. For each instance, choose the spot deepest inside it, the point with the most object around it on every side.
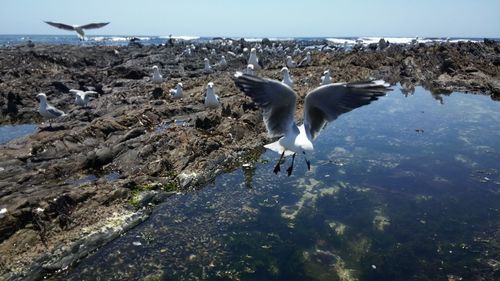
(10, 132)
(90, 179)
(407, 188)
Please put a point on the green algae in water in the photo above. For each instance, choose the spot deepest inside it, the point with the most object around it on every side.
(404, 189)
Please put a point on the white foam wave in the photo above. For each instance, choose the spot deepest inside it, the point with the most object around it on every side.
(394, 40)
(341, 41)
(118, 38)
(259, 39)
(180, 37)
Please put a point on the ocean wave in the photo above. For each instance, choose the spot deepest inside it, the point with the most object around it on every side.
(341, 41)
(259, 39)
(118, 38)
(180, 37)
(395, 40)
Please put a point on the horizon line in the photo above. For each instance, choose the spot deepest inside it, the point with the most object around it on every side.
(240, 36)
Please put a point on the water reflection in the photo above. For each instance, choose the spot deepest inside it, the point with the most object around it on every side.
(10, 132)
(381, 202)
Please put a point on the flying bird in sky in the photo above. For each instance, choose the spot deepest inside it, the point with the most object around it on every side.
(77, 28)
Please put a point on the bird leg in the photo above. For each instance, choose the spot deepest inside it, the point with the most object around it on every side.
(277, 167)
(307, 162)
(290, 169)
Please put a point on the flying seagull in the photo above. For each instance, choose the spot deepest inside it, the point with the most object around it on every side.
(322, 105)
(78, 28)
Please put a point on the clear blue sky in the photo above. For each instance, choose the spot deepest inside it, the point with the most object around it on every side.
(258, 18)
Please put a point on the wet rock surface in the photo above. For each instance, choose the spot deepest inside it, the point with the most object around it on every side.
(55, 185)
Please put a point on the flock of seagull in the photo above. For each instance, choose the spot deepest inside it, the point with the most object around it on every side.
(277, 99)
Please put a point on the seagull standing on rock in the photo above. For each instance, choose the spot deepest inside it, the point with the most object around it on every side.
(211, 99)
(187, 52)
(252, 59)
(249, 70)
(326, 78)
(46, 110)
(177, 92)
(286, 77)
(322, 105)
(290, 63)
(306, 61)
(77, 28)
(82, 97)
(207, 69)
(157, 78)
(223, 61)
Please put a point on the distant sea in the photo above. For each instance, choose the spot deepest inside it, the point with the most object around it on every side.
(110, 40)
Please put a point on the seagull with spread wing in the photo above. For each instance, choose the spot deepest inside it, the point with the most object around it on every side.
(82, 97)
(322, 105)
(77, 28)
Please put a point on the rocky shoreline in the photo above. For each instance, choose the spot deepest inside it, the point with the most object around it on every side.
(94, 173)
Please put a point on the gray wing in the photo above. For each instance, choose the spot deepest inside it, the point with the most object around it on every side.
(303, 62)
(326, 103)
(276, 99)
(94, 25)
(54, 111)
(61, 25)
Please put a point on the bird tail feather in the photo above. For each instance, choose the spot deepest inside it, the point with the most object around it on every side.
(277, 147)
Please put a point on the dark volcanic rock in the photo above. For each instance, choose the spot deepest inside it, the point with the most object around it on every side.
(207, 121)
(60, 86)
(95, 160)
(12, 101)
(489, 42)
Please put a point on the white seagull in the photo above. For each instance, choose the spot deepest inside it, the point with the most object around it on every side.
(252, 59)
(47, 110)
(286, 77)
(157, 78)
(222, 60)
(177, 92)
(77, 28)
(207, 69)
(326, 78)
(211, 99)
(249, 70)
(187, 52)
(290, 63)
(306, 61)
(322, 105)
(82, 97)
